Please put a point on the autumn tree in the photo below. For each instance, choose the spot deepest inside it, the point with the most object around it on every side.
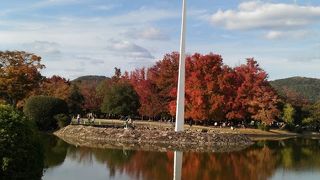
(146, 90)
(214, 91)
(117, 75)
(55, 86)
(92, 99)
(205, 98)
(255, 98)
(92, 94)
(19, 75)
(164, 75)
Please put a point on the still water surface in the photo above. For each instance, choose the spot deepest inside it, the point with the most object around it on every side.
(286, 159)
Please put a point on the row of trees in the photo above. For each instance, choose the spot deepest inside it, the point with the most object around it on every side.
(214, 91)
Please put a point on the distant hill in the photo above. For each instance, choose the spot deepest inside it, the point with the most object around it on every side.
(90, 78)
(307, 87)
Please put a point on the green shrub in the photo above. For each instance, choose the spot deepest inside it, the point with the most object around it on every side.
(21, 153)
(263, 127)
(63, 120)
(42, 109)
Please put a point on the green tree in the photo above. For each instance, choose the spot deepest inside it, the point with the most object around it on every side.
(289, 114)
(314, 117)
(75, 100)
(121, 99)
(21, 154)
(43, 109)
(19, 75)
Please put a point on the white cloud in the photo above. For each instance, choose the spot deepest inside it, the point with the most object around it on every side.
(91, 60)
(274, 34)
(288, 34)
(129, 49)
(150, 33)
(46, 3)
(267, 16)
(86, 37)
(43, 47)
(104, 7)
(145, 15)
(21, 7)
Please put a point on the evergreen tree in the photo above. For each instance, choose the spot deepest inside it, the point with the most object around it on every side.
(121, 99)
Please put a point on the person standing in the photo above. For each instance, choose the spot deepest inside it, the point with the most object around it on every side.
(78, 118)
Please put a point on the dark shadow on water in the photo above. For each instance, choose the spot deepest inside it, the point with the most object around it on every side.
(55, 150)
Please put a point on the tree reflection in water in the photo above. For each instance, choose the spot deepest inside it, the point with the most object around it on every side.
(259, 161)
(55, 150)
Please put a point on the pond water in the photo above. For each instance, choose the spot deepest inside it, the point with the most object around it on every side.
(285, 159)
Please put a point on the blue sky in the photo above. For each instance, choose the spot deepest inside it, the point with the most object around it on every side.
(85, 37)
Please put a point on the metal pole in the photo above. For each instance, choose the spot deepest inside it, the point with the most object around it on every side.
(181, 77)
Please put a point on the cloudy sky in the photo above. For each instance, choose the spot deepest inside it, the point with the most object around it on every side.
(86, 37)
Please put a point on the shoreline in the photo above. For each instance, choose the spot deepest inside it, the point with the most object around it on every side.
(153, 139)
(250, 132)
(159, 136)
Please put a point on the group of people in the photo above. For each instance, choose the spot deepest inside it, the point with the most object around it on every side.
(90, 117)
(128, 123)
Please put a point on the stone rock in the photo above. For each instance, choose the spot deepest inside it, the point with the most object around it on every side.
(155, 139)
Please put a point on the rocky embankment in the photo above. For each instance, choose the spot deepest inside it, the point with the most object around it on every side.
(153, 139)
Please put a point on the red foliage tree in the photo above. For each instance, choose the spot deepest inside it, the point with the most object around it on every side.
(92, 98)
(150, 104)
(205, 99)
(164, 75)
(254, 98)
(214, 91)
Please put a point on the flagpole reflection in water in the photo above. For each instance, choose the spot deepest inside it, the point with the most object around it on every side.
(177, 165)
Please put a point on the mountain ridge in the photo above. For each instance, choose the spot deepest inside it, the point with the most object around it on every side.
(309, 88)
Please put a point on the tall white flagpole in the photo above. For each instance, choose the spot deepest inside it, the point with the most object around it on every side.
(181, 78)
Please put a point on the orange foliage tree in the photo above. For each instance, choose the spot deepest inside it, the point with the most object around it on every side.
(19, 75)
(55, 86)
